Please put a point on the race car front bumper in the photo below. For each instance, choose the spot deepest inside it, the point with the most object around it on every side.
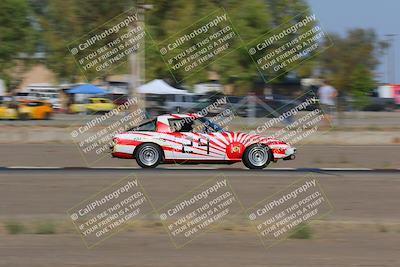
(290, 153)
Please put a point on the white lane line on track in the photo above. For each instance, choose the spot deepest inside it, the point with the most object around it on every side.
(188, 168)
(282, 169)
(117, 168)
(34, 167)
(164, 168)
(346, 169)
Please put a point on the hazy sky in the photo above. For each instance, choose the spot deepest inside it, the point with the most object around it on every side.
(381, 15)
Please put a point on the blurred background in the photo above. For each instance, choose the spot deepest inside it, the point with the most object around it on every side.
(35, 63)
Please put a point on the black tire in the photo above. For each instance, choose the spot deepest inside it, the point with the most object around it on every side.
(148, 155)
(23, 116)
(47, 116)
(257, 156)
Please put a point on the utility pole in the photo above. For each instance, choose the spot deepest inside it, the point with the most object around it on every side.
(137, 59)
(391, 59)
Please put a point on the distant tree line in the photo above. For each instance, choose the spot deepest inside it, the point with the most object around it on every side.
(50, 25)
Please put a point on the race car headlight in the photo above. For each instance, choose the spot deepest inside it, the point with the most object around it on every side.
(290, 151)
(113, 142)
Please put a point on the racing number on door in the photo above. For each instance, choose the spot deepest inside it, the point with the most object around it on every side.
(187, 148)
(204, 143)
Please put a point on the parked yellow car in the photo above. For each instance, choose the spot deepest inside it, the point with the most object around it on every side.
(8, 111)
(25, 110)
(93, 105)
(34, 109)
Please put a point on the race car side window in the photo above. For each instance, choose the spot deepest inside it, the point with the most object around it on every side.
(181, 125)
(209, 126)
(199, 126)
(34, 104)
(149, 126)
(187, 125)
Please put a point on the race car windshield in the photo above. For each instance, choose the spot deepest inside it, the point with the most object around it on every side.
(211, 126)
(149, 126)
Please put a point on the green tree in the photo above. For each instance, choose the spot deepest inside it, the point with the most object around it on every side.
(289, 12)
(15, 34)
(64, 21)
(251, 19)
(352, 59)
(360, 83)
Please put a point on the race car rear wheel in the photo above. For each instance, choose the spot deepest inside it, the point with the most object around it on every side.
(148, 155)
(257, 156)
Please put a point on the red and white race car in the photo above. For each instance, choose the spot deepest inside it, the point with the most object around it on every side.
(190, 138)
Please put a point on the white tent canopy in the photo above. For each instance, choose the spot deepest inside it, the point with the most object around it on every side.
(159, 87)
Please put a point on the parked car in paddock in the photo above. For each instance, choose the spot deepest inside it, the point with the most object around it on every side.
(34, 110)
(193, 139)
(377, 103)
(8, 111)
(25, 110)
(93, 105)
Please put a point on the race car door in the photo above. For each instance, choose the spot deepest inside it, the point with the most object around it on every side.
(192, 141)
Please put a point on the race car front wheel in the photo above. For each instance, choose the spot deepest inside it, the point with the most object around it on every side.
(257, 156)
(148, 155)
